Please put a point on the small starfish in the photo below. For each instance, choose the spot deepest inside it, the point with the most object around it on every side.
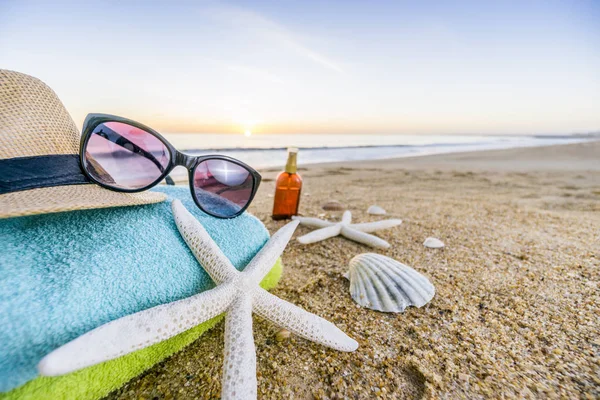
(237, 293)
(357, 232)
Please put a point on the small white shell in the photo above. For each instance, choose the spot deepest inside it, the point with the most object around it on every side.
(376, 210)
(384, 284)
(433, 243)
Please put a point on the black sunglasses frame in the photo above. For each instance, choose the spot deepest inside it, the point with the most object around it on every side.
(176, 158)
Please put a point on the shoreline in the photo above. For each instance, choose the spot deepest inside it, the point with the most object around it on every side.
(464, 159)
(429, 159)
(262, 154)
(371, 146)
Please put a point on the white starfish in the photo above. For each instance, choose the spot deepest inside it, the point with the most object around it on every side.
(237, 293)
(357, 232)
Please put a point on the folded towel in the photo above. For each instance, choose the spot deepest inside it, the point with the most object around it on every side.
(64, 274)
(98, 381)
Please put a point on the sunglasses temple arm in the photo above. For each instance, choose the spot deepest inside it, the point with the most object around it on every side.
(169, 180)
(122, 141)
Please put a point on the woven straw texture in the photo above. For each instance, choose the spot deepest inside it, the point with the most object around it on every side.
(34, 122)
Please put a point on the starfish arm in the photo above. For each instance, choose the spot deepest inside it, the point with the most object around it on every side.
(300, 322)
(239, 363)
(206, 251)
(364, 238)
(368, 227)
(262, 263)
(312, 222)
(136, 331)
(320, 234)
(347, 217)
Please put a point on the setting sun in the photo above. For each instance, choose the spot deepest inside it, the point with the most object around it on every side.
(248, 133)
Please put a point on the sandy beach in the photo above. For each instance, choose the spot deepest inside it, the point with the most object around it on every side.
(516, 310)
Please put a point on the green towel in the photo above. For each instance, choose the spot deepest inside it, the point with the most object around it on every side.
(99, 380)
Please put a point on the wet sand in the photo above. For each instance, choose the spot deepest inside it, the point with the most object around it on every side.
(518, 285)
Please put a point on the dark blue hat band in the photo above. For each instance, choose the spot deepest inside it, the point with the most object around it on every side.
(24, 173)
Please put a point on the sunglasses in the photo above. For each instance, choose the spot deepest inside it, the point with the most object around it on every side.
(125, 156)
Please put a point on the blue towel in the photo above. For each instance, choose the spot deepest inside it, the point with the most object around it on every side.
(64, 274)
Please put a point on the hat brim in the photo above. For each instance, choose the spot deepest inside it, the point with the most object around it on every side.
(70, 198)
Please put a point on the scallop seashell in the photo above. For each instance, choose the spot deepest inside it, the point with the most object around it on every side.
(376, 210)
(333, 205)
(433, 243)
(384, 284)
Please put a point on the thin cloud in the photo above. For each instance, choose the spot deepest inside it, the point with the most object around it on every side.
(271, 30)
(318, 58)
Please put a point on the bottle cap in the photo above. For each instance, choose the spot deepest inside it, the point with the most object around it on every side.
(291, 166)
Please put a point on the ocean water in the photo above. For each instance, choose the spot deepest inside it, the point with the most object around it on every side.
(269, 151)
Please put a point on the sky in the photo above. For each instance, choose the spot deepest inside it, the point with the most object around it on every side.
(382, 67)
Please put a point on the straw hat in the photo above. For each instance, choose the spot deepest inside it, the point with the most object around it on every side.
(34, 122)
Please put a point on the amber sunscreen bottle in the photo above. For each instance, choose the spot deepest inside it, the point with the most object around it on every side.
(287, 189)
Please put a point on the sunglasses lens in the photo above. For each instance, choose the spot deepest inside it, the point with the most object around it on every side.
(222, 188)
(125, 157)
